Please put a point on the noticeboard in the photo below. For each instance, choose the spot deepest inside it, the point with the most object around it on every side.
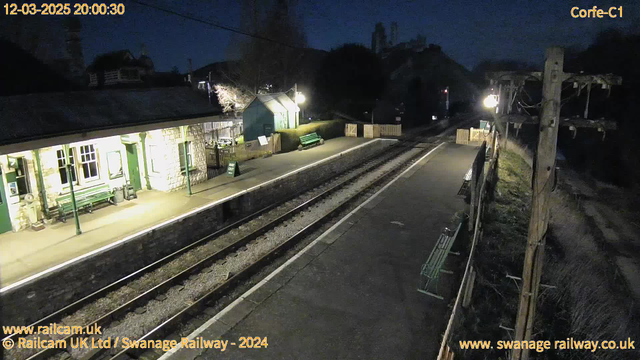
(233, 169)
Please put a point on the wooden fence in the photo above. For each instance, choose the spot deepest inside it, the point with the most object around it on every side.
(480, 182)
(371, 131)
(377, 130)
(473, 136)
(390, 130)
(351, 130)
(220, 158)
(477, 136)
(462, 136)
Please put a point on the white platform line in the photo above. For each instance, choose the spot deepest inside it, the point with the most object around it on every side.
(179, 217)
(229, 307)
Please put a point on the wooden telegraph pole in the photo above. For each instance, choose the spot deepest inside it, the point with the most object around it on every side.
(542, 184)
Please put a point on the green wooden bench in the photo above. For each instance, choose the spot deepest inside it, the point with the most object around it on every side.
(85, 198)
(430, 273)
(310, 140)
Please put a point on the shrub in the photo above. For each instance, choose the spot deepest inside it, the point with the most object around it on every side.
(327, 129)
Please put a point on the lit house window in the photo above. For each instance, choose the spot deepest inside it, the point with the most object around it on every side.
(64, 180)
(22, 176)
(89, 162)
(189, 156)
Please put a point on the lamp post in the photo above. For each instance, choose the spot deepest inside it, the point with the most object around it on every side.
(446, 91)
(73, 195)
(490, 101)
(298, 98)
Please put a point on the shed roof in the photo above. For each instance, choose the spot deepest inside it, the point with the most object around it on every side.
(277, 102)
(46, 115)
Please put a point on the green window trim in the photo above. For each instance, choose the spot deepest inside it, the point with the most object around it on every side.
(189, 155)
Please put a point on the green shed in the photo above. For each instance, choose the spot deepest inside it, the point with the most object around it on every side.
(268, 113)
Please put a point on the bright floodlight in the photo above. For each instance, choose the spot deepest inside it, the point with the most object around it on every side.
(300, 98)
(491, 101)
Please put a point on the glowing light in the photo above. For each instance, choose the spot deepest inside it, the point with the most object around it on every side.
(490, 101)
(300, 98)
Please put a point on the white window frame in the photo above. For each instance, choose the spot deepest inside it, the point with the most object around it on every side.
(21, 160)
(88, 156)
(74, 171)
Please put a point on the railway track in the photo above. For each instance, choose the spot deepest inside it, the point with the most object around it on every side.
(247, 246)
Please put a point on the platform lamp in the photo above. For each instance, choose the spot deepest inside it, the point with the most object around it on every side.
(184, 129)
(70, 181)
(298, 98)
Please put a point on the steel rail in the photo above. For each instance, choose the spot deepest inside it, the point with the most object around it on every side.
(165, 285)
(377, 159)
(220, 290)
(71, 308)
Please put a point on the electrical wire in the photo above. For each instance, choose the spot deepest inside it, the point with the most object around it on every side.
(223, 27)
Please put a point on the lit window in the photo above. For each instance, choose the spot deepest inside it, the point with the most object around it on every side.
(189, 156)
(62, 169)
(22, 176)
(89, 162)
(114, 164)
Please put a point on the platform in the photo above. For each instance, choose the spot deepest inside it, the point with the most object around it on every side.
(26, 253)
(351, 294)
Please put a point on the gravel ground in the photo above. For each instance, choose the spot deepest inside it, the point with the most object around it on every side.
(214, 274)
(137, 323)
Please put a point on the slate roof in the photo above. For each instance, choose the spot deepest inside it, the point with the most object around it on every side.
(277, 102)
(46, 115)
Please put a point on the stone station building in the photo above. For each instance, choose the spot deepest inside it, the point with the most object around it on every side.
(132, 137)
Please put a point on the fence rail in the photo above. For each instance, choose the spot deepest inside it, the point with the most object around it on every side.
(479, 187)
(220, 157)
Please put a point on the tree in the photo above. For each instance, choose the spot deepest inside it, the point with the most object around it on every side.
(231, 98)
(265, 64)
(485, 66)
(175, 70)
(350, 79)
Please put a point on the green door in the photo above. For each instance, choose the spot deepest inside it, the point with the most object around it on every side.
(5, 221)
(134, 169)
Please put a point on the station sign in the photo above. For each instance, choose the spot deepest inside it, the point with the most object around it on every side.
(233, 169)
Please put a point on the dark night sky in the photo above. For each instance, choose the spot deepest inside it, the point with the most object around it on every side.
(468, 31)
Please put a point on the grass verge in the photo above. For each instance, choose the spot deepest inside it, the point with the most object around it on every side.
(327, 129)
(588, 302)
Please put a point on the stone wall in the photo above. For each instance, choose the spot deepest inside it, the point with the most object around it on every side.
(169, 178)
(33, 300)
(165, 153)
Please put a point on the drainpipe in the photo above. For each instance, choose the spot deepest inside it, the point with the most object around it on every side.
(186, 167)
(43, 192)
(143, 137)
(185, 131)
(73, 195)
